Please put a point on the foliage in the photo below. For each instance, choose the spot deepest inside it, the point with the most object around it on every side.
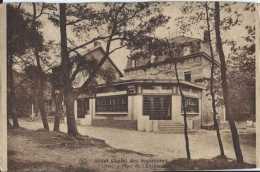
(20, 34)
(240, 54)
(123, 24)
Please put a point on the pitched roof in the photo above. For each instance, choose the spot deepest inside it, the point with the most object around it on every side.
(99, 48)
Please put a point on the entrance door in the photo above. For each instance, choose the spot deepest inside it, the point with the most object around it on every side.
(83, 107)
(157, 107)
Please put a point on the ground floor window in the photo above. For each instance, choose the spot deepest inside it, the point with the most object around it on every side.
(158, 107)
(83, 107)
(191, 105)
(118, 103)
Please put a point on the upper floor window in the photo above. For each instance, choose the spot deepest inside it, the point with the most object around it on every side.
(187, 76)
(186, 50)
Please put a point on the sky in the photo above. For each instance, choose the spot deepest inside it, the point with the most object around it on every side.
(51, 32)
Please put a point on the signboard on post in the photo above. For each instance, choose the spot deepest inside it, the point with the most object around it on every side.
(132, 90)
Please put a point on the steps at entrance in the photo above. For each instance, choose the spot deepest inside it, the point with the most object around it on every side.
(172, 127)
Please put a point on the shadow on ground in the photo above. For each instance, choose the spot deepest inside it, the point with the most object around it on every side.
(207, 164)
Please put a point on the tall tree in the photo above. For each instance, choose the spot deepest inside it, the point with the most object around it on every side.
(212, 93)
(41, 75)
(57, 95)
(65, 65)
(230, 118)
(11, 100)
(19, 40)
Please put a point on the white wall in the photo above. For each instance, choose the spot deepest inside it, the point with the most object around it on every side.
(176, 109)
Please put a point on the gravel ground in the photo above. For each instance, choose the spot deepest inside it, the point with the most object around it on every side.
(203, 143)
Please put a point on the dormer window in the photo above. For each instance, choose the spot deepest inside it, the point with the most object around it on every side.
(153, 58)
(186, 50)
(187, 76)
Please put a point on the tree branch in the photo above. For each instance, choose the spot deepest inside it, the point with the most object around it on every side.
(41, 12)
(89, 42)
(117, 49)
(75, 21)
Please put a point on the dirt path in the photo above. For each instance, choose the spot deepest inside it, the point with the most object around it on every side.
(36, 150)
(203, 144)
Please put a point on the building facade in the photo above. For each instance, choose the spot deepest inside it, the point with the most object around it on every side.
(147, 97)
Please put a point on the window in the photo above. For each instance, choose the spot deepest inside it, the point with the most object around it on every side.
(186, 50)
(83, 107)
(187, 76)
(112, 103)
(157, 107)
(191, 105)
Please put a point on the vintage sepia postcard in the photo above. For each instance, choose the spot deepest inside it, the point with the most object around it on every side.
(129, 86)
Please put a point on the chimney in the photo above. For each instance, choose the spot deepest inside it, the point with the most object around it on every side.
(206, 36)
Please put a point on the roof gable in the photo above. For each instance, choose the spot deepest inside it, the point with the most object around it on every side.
(98, 53)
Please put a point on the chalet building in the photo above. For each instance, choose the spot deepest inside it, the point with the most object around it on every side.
(147, 98)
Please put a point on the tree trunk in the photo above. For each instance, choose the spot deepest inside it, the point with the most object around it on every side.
(11, 90)
(65, 63)
(216, 125)
(186, 136)
(41, 105)
(71, 121)
(187, 145)
(59, 110)
(56, 123)
(40, 91)
(230, 118)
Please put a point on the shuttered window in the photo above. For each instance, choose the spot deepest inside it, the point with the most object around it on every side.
(83, 107)
(157, 107)
(112, 103)
(191, 105)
